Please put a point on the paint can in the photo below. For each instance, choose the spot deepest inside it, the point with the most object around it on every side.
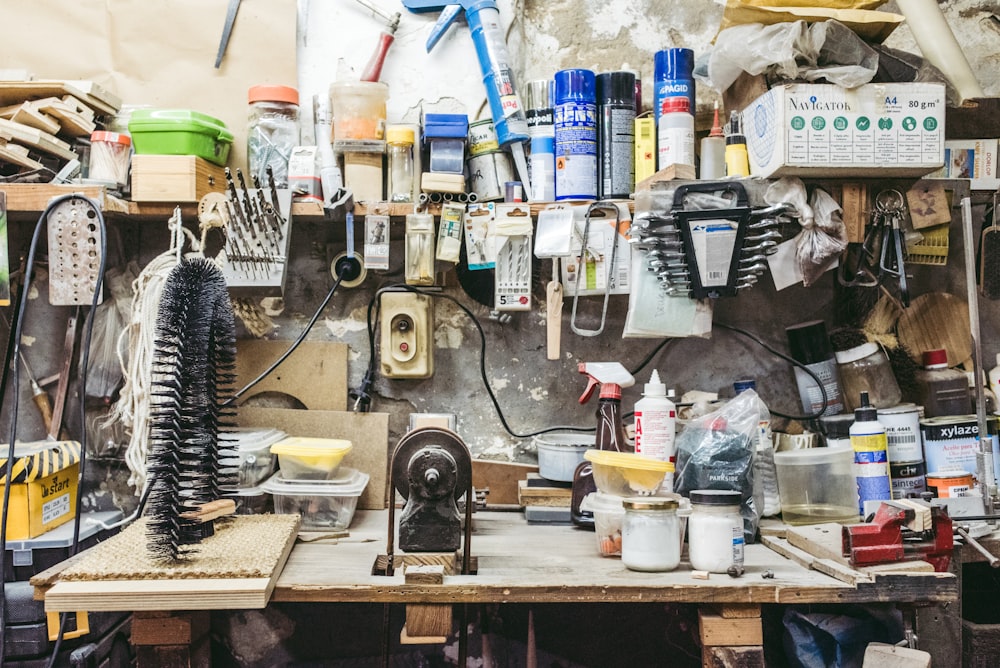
(575, 122)
(538, 96)
(487, 174)
(950, 443)
(902, 429)
(482, 138)
(909, 479)
(949, 484)
(616, 135)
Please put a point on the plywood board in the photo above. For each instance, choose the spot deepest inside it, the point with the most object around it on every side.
(501, 478)
(29, 115)
(315, 374)
(368, 432)
(72, 122)
(32, 137)
(17, 155)
(12, 92)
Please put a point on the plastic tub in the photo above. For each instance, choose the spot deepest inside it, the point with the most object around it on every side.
(180, 132)
(325, 505)
(608, 515)
(626, 473)
(252, 501)
(310, 458)
(358, 109)
(560, 453)
(817, 485)
(256, 462)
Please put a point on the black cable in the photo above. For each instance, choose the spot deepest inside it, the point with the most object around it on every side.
(17, 323)
(794, 362)
(652, 353)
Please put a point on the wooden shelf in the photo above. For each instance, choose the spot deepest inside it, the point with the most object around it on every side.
(31, 198)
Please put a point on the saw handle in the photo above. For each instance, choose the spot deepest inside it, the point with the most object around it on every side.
(41, 399)
(373, 70)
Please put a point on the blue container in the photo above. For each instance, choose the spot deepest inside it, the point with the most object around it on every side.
(673, 77)
(575, 120)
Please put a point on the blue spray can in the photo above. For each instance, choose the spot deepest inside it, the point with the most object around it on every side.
(871, 458)
(575, 120)
(673, 76)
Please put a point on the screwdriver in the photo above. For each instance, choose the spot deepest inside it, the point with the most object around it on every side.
(38, 395)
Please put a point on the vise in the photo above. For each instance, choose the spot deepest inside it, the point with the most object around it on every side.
(905, 529)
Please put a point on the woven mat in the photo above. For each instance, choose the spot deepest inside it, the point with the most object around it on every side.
(246, 546)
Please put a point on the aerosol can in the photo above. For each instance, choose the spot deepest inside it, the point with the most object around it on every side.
(611, 377)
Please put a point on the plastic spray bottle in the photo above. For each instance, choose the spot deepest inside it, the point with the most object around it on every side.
(871, 458)
(611, 377)
(656, 425)
(713, 152)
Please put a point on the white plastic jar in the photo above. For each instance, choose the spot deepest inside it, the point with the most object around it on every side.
(650, 534)
(715, 530)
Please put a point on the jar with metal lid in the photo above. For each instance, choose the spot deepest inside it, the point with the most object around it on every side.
(715, 530)
(866, 368)
(272, 132)
(399, 147)
(650, 534)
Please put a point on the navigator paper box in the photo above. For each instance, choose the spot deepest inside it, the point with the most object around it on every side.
(826, 130)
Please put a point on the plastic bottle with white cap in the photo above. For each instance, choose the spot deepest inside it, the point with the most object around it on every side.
(656, 425)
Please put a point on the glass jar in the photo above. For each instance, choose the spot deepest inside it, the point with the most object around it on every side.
(866, 368)
(110, 154)
(715, 530)
(272, 132)
(400, 140)
(650, 534)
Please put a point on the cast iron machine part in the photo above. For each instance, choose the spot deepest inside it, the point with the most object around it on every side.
(431, 468)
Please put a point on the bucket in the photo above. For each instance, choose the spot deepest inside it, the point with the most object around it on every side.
(358, 109)
(560, 453)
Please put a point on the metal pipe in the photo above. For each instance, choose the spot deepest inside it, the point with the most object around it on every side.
(993, 561)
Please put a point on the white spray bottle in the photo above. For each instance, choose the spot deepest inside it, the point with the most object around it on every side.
(656, 425)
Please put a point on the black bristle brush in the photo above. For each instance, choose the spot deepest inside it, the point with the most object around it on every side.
(194, 358)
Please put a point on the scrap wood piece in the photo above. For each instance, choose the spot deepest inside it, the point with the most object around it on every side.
(73, 122)
(78, 106)
(28, 114)
(16, 155)
(35, 138)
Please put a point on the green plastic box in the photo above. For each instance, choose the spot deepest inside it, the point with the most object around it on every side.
(180, 132)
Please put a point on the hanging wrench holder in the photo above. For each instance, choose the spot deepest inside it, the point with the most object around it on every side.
(258, 233)
(74, 253)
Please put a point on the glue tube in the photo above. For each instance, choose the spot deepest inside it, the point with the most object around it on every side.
(737, 159)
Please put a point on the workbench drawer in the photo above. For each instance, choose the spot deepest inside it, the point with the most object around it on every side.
(174, 178)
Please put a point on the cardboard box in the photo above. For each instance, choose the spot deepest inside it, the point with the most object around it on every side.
(973, 159)
(174, 178)
(43, 494)
(830, 131)
(363, 175)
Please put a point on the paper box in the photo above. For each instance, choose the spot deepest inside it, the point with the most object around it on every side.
(43, 493)
(827, 130)
(174, 178)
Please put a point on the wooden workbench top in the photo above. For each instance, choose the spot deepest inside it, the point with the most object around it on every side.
(522, 563)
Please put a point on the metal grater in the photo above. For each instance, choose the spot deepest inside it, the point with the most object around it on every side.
(74, 253)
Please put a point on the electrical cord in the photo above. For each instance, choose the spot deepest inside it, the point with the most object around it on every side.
(794, 362)
(17, 323)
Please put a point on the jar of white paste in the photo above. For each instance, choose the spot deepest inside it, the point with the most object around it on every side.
(715, 530)
(650, 534)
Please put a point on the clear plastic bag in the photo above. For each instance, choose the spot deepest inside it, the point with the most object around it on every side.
(716, 451)
(823, 237)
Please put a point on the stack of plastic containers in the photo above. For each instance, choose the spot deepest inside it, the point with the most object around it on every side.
(256, 464)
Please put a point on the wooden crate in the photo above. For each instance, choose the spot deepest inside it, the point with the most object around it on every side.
(174, 178)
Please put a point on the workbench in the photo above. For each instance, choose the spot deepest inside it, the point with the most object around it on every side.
(530, 564)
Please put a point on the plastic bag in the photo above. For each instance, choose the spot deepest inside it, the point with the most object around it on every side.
(823, 237)
(836, 636)
(104, 370)
(795, 50)
(716, 451)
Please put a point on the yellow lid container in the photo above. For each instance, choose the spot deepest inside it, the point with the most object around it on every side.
(301, 458)
(626, 473)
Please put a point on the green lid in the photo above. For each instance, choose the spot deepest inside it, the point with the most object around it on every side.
(178, 120)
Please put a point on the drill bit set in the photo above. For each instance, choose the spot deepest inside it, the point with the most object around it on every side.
(713, 250)
(257, 226)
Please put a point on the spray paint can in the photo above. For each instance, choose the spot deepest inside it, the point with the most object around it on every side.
(673, 77)
(575, 120)
(538, 108)
(616, 134)
(543, 169)
(871, 458)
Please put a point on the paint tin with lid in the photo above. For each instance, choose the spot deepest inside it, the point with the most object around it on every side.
(950, 443)
(909, 479)
(902, 430)
(950, 484)
(482, 138)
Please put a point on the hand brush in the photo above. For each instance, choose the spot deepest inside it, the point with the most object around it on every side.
(989, 255)
(194, 357)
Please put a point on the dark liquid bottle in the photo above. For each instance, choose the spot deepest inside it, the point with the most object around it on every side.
(610, 436)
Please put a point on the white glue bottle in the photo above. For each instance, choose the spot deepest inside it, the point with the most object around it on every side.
(656, 426)
(871, 458)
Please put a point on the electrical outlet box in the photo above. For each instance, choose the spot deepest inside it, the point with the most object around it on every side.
(407, 335)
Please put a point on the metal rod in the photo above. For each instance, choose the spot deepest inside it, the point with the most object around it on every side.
(993, 561)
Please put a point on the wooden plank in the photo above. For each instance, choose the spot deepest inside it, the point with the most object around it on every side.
(181, 594)
(34, 138)
(428, 620)
(73, 123)
(737, 611)
(18, 91)
(732, 657)
(28, 114)
(78, 106)
(406, 639)
(34, 197)
(179, 628)
(824, 540)
(198, 655)
(501, 478)
(552, 497)
(17, 155)
(424, 574)
(713, 630)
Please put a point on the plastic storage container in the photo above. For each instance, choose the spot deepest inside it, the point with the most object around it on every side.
(310, 458)
(272, 131)
(650, 532)
(626, 473)
(325, 505)
(180, 132)
(608, 515)
(817, 485)
(256, 459)
(866, 368)
(110, 153)
(560, 453)
(358, 110)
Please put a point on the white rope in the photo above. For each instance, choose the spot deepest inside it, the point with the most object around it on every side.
(133, 406)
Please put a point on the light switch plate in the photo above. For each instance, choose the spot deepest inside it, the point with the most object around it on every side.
(406, 326)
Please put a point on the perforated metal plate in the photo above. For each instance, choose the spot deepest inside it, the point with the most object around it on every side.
(74, 253)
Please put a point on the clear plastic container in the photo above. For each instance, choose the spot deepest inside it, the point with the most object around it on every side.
(272, 131)
(254, 447)
(715, 530)
(650, 531)
(608, 515)
(358, 110)
(310, 458)
(325, 505)
(110, 154)
(866, 368)
(817, 485)
(399, 147)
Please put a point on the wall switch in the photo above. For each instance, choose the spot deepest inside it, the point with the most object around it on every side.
(406, 329)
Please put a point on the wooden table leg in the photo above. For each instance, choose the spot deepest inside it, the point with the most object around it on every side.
(172, 639)
(731, 636)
